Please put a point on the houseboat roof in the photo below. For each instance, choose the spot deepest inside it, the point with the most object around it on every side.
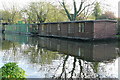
(114, 21)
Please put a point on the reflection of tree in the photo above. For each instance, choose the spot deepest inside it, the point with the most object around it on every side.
(64, 63)
(36, 55)
(11, 50)
(80, 69)
(74, 65)
(6, 45)
(40, 55)
(95, 66)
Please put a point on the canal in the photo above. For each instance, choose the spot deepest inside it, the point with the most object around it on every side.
(44, 57)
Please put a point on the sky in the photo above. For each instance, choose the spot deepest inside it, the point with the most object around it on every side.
(111, 5)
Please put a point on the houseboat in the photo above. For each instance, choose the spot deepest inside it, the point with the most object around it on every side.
(90, 29)
(85, 30)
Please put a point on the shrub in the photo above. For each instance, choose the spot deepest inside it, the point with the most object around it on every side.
(11, 70)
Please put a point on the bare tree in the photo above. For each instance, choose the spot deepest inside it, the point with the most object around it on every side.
(82, 6)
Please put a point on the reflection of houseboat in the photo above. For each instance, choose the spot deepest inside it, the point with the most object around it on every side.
(90, 51)
(89, 29)
(100, 51)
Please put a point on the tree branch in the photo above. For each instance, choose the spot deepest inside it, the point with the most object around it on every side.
(85, 8)
(67, 12)
(80, 7)
(75, 10)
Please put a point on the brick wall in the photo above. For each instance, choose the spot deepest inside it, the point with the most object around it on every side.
(104, 30)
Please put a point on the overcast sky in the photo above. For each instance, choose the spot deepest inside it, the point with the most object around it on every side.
(113, 4)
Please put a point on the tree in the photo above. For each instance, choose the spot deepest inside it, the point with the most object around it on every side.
(56, 14)
(82, 7)
(36, 12)
(97, 11)
(108, 15)
(39, 12)
(11, 15)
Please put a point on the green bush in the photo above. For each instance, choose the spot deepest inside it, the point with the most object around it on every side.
(11, 70)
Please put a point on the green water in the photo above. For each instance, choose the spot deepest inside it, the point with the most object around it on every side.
(44, 57)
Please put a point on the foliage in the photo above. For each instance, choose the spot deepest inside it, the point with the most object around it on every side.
(45, 57)
(108, 15)
(95, 66)
(84, 17)
(36, 12)
(39, 12)
(6, 45)
(56, 14)
(11, 15)
(11, 70)
(97, 11)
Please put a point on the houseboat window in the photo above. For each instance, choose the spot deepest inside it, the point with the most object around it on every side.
(47, 28)
(15, 28)
(69, 28)
(58, 47)
(42, 27)
(79, 53)
(27, 28)
(81, 27)
(50, 27)
(37, 27)
(30, 26)
(58, 27)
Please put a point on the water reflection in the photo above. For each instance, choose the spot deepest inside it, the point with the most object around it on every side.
(55, 58)
(89, 51)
